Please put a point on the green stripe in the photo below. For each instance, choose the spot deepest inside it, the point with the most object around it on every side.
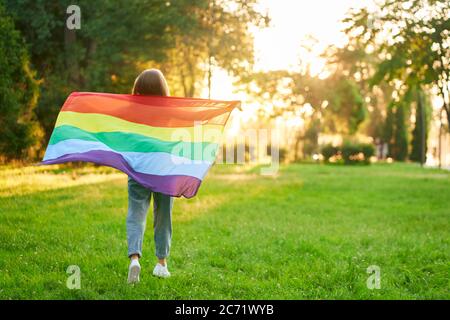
(131, 142)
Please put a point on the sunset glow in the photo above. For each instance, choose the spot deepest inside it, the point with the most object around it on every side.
(279, 46)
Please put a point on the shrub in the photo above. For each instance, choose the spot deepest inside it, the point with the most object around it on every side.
(368, 150)
(328, 151)
(353, 153)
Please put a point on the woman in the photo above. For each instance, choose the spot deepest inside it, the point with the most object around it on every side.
(149, 82)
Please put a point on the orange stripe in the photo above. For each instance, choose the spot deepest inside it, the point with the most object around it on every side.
(152, 110)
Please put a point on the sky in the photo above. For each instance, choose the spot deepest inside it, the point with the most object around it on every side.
(279, 46)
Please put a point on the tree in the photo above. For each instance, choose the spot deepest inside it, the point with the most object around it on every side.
(412, 39)
(395, 132)
(115, 38)
(400, 146)
(18, 93)
(119, 38)
(389, 129)
(230, 42)
(311, 138)
(420, 132)
(346, 104)
(220, 38)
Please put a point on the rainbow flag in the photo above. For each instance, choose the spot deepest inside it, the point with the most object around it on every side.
(167, 144)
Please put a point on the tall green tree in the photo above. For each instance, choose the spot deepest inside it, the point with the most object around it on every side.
(357, 62)
(400, 145)
(119, 38)
(395, 131)
(389, 129)
(347, 108)
(19, 129)
(412, 39)
(105, 54)
(420, 131)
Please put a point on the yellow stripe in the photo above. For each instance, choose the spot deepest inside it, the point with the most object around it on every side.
(95, 122)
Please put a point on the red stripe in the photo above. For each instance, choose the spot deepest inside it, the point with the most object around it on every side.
(177, 112)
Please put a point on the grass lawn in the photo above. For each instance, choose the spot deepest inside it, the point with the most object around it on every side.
(309, 233)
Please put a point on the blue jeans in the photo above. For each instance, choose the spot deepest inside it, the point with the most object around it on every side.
(138, 204)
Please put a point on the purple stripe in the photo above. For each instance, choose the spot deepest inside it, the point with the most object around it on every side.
(173, 185)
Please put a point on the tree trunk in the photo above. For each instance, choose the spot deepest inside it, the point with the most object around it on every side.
(183, 83)
(447, 110)
(440, 137)
(70, 38)
(209, 75)
(298, 140)
(191, 90)
(423, 134)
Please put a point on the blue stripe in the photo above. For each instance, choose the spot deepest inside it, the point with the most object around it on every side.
(156, 163)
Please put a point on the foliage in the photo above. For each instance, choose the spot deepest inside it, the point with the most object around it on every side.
(396, 130)
(328, 151)
(311, 138)
(118, 39)
(389, 128)
(18, 93)
(420, 131)
(350, 152)
(412, 39)
(400, 146)
(337, 104)
(346, 105)
(220, 38)
(344, 108)
(102, 55)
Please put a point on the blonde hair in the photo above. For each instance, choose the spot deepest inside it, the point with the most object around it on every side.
(151, 82)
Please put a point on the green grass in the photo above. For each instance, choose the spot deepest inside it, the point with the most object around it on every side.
(308, 233)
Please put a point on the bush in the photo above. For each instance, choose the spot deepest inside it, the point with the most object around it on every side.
(328, 151)
(368, 150)
(351, 152)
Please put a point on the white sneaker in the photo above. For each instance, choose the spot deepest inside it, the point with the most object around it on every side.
(133, 271)
(161, 271)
